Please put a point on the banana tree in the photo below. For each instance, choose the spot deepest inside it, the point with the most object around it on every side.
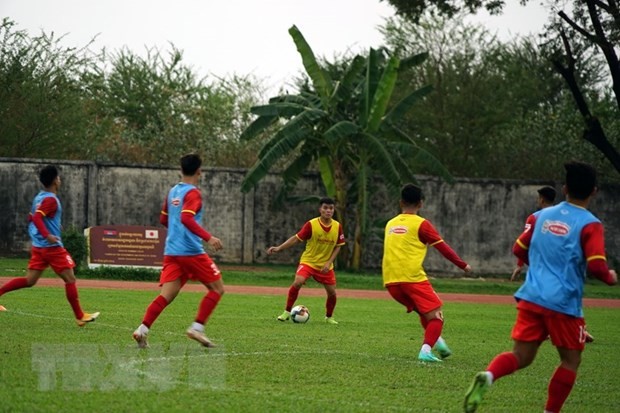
(302, 137)
(378, 147)
(347, 127)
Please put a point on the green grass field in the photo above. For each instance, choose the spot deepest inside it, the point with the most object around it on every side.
(366, 364)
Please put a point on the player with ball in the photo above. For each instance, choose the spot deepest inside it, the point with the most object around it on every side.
(324, 237)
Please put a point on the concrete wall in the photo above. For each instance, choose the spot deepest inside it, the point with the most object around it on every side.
(479, 218)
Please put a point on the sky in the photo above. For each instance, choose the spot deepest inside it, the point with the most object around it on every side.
(225, 37)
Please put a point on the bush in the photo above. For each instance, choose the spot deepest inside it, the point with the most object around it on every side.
(121, 273)
(75, 242)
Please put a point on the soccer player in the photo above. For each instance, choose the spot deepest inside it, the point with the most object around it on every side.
(324, 237)
(546, 197)
(184, 254)
(407, 237)
(564, 242)
(44, 228)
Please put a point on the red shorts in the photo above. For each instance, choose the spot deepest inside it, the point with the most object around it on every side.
(191, 267)
(419, 297)
(536, 323)
(56, 257)
(306, 271)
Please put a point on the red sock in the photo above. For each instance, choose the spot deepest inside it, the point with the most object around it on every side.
(14, 284)
(72, 296)
(423, 321)
(154, 310)
(293, 292)
(560, 387)
(503, 364)
(207, 305)
(330, 304)
(433, 331)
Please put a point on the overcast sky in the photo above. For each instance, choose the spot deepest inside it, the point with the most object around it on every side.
(222, 37)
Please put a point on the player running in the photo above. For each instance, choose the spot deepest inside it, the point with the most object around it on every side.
(44, 228)
(407, 237)
(563, 243)
(184, 255)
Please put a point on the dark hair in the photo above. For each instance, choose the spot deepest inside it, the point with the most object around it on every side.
(47, 175)
(190, 163)
(580, 179)
(411, 194)
(326, 200)
(548, 193)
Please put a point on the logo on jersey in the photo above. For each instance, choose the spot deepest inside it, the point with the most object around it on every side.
(324, 240)
(175, 202)
(398, 230)
(558, 228)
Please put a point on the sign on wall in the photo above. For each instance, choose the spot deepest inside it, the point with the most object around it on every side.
(125, 246)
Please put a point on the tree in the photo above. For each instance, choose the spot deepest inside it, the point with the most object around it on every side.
(69, 103)
(602, 28)
(346, 127)
(414, 9)
(466, 107)
(146, 103)
(41, 96)
(486, 115)
(593, 22)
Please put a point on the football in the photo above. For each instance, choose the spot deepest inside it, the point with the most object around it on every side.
(300, 314)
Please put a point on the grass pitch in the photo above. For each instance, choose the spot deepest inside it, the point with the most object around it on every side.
(368, 363)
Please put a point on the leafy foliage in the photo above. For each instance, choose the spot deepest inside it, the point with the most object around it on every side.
(569, 39)
(42, 111)
(497, 109)
(343, 120)
(415, 9)
(69, 103)
(121, 273)
(156, 101)
(75, 243)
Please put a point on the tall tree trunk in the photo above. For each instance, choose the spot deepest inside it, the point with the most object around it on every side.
(356, 259)
(361, 213)
(341, 209)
